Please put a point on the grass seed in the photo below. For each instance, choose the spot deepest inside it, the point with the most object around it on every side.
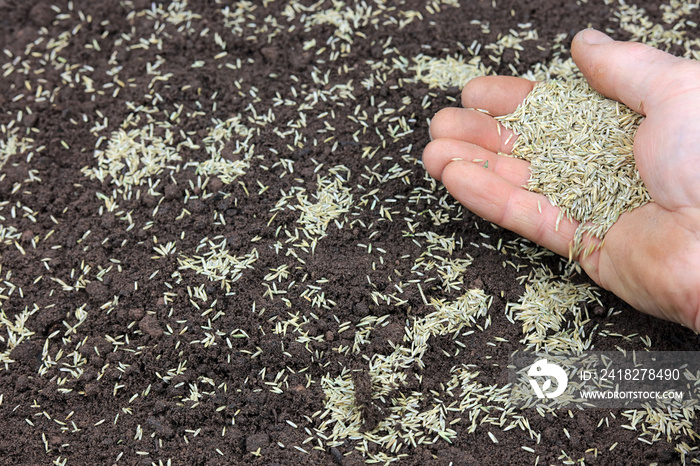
(580, 148)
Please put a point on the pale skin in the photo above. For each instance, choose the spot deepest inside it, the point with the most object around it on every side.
(651, 256)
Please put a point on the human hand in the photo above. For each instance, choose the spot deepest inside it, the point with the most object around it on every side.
(651, 255)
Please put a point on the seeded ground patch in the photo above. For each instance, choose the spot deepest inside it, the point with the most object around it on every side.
(218, 243)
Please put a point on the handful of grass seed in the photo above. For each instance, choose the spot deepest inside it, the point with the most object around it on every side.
(579, 145)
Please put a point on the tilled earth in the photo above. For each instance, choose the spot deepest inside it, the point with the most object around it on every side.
(218, 244)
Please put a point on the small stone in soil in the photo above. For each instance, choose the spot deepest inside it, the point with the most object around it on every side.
(150, 325)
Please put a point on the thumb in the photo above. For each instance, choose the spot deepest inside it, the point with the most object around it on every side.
(635, 74)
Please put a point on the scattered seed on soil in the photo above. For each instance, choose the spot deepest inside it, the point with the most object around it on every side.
(218, 243)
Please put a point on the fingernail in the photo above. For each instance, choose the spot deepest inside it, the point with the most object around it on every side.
(595, 37)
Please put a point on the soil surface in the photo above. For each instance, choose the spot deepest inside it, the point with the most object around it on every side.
(215, 230)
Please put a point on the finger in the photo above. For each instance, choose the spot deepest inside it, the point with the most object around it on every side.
(440, 152)
(524, 212)
(499, 95)
(635, 74)
(472, 126)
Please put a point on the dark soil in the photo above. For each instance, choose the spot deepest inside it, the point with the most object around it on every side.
(118, 355)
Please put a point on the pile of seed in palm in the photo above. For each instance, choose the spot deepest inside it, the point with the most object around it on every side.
(579, 145)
